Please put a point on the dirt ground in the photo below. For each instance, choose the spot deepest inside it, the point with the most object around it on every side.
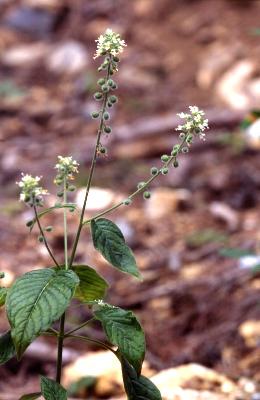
(195, 304)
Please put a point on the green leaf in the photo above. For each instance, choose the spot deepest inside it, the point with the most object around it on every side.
(123, 330)
(91, 285)
(3, 293)
(137, 388)
(30, 396)
(7, 349)
(234, 252)
(110, 242)
(52, 390)
(35, 301)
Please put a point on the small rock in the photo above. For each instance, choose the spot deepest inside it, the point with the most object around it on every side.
(24, 54)
(225, 213)
(165, 201)
(33, 21)
(69, 57)
(250, 261)
(98, 199)
(127, 230)
(252, 134)
(250, 331)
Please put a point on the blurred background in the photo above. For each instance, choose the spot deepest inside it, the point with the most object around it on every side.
(197, 239)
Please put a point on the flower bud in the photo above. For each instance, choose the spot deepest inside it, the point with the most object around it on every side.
(29, 223)
(110, 82)
(114, 86)
(140, 185)
(116, 59)
(146, 195)
(41, 239)
(48, 228)
(185, 150)
(165, 171)
(60, 194)
(113, 99)
(101, 81)
(127, 202)
(154, 171)
(175, 150)
(107, 129)
(106, 116)
(103, 150)
(98, 96)
(105, 88)
(95, 114)
(165, 158)
(71, 188)
(175, 163)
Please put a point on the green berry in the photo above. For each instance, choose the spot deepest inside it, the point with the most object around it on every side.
(109, 104)
(41, 239)
(182, 135)
(175, 163)
(71, 188)
(146, 195)
(95, 114)
(175, 150)
(48, 228)
(110, 82)
(165, 171)
(154, 171)
(116, 59)
(165, 158)
(107, 129)
(185, 150)
(98, 96)
(105, 88)
(106, 116)
(114, 87)
(60, 194)
(103, 150)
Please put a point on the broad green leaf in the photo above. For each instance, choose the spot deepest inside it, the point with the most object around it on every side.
(137, 387)
(91, 285)
(52, 390)
(7, 349)
(3, 293)
(35, 301)
(123, 330)
(110, 242)
(30, 396)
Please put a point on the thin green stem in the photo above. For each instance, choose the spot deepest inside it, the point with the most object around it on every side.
(65, 224)
(80, 326)
(44, 238)
(92, 168)
(135, 193)
(60, 348)
(87, 339)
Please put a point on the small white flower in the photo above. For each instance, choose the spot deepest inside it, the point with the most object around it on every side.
(66, 167)
(110, 43)
(31, 192)
(194, 122)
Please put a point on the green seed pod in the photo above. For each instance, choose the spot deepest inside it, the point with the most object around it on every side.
(107, 129)
(27, 199)
(72, 188)
(41, 239)
(2, 275)
(29, 223)
(103, 150)
(109, 104)
(60, 194)
(104, 66)
(113, 99)
(105, 88)
(175, 163)
(197, 130)
(106, 116)
(154, 171)
(189, 139)
(182, 135)
(100, 69)
(185, 150)
(110, 82)
(175, 150)
(48, 228)
(165, 171)
(127, 202)
(140, 185)
(101, 81)
(114, 87)
(146, 195)
(165, 158)
(116, 59)
(95, 114)
(98, 96)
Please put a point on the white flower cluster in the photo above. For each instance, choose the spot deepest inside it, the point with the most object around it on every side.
(109, 43)
(194, 122)
(66, 167)
(31, 192)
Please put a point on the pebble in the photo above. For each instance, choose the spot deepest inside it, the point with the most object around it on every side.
(69, 57)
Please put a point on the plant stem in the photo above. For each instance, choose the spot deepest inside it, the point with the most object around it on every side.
(87, 339)
(132, 195)
(65, 224)
(44, 238)
(92, 168)
(80, 326)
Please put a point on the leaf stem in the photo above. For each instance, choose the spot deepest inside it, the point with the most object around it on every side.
(44, 237)
(80, 326)
(92, 168)
(88, 339)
